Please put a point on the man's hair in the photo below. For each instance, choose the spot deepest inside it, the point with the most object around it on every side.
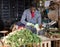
(33, 4)
(52, 3)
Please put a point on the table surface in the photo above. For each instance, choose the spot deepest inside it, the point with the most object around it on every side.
(43, 38)
(3, 31)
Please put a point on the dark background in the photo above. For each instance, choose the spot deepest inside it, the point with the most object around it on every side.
(11, 11)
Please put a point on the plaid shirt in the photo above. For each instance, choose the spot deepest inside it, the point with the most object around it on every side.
(26, 17)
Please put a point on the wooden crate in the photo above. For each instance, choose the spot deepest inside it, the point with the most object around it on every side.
(43, 44)
(46, 42)
(55, 42)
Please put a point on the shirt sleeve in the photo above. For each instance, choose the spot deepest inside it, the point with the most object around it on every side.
(39, 19)
(23, 18)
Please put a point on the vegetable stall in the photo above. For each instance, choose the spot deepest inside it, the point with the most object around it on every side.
(21, 38)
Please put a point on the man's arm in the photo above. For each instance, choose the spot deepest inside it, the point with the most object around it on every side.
(38, 21)
(23, 18)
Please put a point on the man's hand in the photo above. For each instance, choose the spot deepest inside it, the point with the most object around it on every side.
(29, 24)
(36, 26)
(44, 24)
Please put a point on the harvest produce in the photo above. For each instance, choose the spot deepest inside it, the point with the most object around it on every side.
(21, 37)
(53, 33)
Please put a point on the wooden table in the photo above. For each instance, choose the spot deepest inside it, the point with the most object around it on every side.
(46, 42)
(4, 32)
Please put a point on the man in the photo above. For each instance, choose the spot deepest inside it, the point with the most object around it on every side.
(31, 17)
(53, 14)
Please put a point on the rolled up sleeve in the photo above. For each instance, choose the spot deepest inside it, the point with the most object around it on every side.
(23, 18)
(39, 19)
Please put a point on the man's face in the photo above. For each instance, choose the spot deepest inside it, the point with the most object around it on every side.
(33, 9)
(52, 7)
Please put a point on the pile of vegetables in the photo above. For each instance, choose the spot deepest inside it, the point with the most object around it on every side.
(21, 37)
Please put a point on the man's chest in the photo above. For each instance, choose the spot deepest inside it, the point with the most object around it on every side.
(29, 16)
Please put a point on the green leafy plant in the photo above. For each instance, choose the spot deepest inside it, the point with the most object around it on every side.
(22, 37)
